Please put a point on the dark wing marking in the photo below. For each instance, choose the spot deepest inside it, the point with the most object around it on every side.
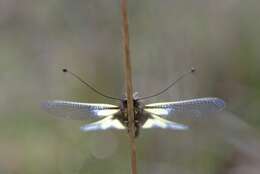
(79, 111)
(195, 107)
(157, 122)
(104, 124)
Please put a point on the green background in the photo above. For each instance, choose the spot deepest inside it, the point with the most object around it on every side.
(38, 38)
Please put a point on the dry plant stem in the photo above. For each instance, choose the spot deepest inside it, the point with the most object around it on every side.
(128, 84)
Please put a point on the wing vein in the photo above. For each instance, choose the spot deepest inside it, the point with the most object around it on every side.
(79, 111)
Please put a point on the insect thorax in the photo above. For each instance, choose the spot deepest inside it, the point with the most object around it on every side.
(138, 114)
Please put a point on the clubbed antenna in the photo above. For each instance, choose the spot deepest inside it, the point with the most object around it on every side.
(88, 85)
(191, 71)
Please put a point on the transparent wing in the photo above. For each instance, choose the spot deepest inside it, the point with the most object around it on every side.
(157, 122)
(193, 107)
(104, 124)
(79, 111)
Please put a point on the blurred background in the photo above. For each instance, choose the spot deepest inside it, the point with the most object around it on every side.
(39, 38)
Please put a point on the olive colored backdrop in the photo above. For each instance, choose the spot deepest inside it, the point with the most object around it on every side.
(40, 37)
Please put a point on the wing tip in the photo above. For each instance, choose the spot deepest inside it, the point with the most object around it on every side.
(83, 129)
(178, 126)
(50, 103)
(45, 104)
(220, 103)
(89, 127)
(183, 127)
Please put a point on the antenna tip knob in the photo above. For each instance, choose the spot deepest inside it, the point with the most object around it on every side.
(64, 70)
(193, 70)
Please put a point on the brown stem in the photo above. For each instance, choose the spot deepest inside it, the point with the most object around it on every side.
(128, 84)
